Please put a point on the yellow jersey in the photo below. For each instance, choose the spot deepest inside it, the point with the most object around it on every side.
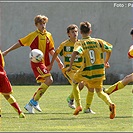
(65, 49)
(92, 52)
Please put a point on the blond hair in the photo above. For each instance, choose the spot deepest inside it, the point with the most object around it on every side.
(40, 19)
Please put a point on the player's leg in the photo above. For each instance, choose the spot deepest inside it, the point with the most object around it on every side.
(6, 90)
(89, 99)
(76, 92)
(14, 104)
(44, 77)
(77, 98)
(70, 98)
(105, 97)
(69, 76)
(120, 84)
(38, 94)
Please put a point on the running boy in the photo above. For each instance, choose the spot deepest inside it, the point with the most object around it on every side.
(40, 39)
(92, 71)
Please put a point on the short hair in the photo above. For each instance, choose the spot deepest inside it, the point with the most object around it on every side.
(71, 27)
(131, 32)
(85, 27)
(40, 19)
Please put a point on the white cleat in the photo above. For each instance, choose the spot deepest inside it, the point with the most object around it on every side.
(37, 107)
(71, 105)
(35, 104)
(89, 111)
(29, 108)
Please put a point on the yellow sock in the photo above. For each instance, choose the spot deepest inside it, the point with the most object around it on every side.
(76, 94)
(105, 97)
(71, 96)
(14, 104)
(11, 99)
(117, 86)
(89, 99)
(40, 92)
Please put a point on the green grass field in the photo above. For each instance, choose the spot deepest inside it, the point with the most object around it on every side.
(57, 116)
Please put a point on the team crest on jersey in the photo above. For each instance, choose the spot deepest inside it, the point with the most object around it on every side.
(45, 71)
(68, 49)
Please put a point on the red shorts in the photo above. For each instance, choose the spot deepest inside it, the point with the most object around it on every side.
(5, 86)
(40, 71)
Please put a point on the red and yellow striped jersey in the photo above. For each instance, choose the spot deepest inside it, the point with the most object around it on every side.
(38, 40)
(65, 49)
(91, 50)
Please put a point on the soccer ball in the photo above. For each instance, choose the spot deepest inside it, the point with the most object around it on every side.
(36, 55)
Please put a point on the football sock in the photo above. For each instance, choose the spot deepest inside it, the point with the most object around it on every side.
(14, 104)
(89, 99)
(105, 97)
(40, 92)
(71, 96)
(117, 86)
(76, 94)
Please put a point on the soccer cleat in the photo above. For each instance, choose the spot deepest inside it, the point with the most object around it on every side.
(21, 115)
(112, 109)
(77, 110)
(29, 108)
(35, 104)
(71, 103)
(89, 111)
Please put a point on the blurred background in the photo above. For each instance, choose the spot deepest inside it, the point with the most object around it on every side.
(110, 21)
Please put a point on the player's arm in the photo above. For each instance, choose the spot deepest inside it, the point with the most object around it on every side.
(13, 47)
(106, 60)
(55, 57)
(74, 54)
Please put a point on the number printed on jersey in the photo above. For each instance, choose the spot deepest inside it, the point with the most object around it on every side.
(92, 56)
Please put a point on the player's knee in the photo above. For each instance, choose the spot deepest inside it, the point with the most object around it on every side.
(49, 80)
(128, 78)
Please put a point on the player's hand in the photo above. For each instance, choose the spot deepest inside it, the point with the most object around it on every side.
(106, 64)
(69, 69)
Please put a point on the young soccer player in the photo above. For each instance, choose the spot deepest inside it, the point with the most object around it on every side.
(92, 71)
(127, 79)
(6, 89)
(40, 39)
(65, 49)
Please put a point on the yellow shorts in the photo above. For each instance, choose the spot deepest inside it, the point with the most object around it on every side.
(69, 75)
(91, 83)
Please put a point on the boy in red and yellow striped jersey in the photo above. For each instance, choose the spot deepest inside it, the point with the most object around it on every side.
(127, 79)
(6, 88)
(40, 39)
(65, 49)
(92, 71)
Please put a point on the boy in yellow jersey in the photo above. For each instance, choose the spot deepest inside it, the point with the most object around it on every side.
(40, 39)
(127, 79)
(92, 71)
(6, 88)
(65, 49)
